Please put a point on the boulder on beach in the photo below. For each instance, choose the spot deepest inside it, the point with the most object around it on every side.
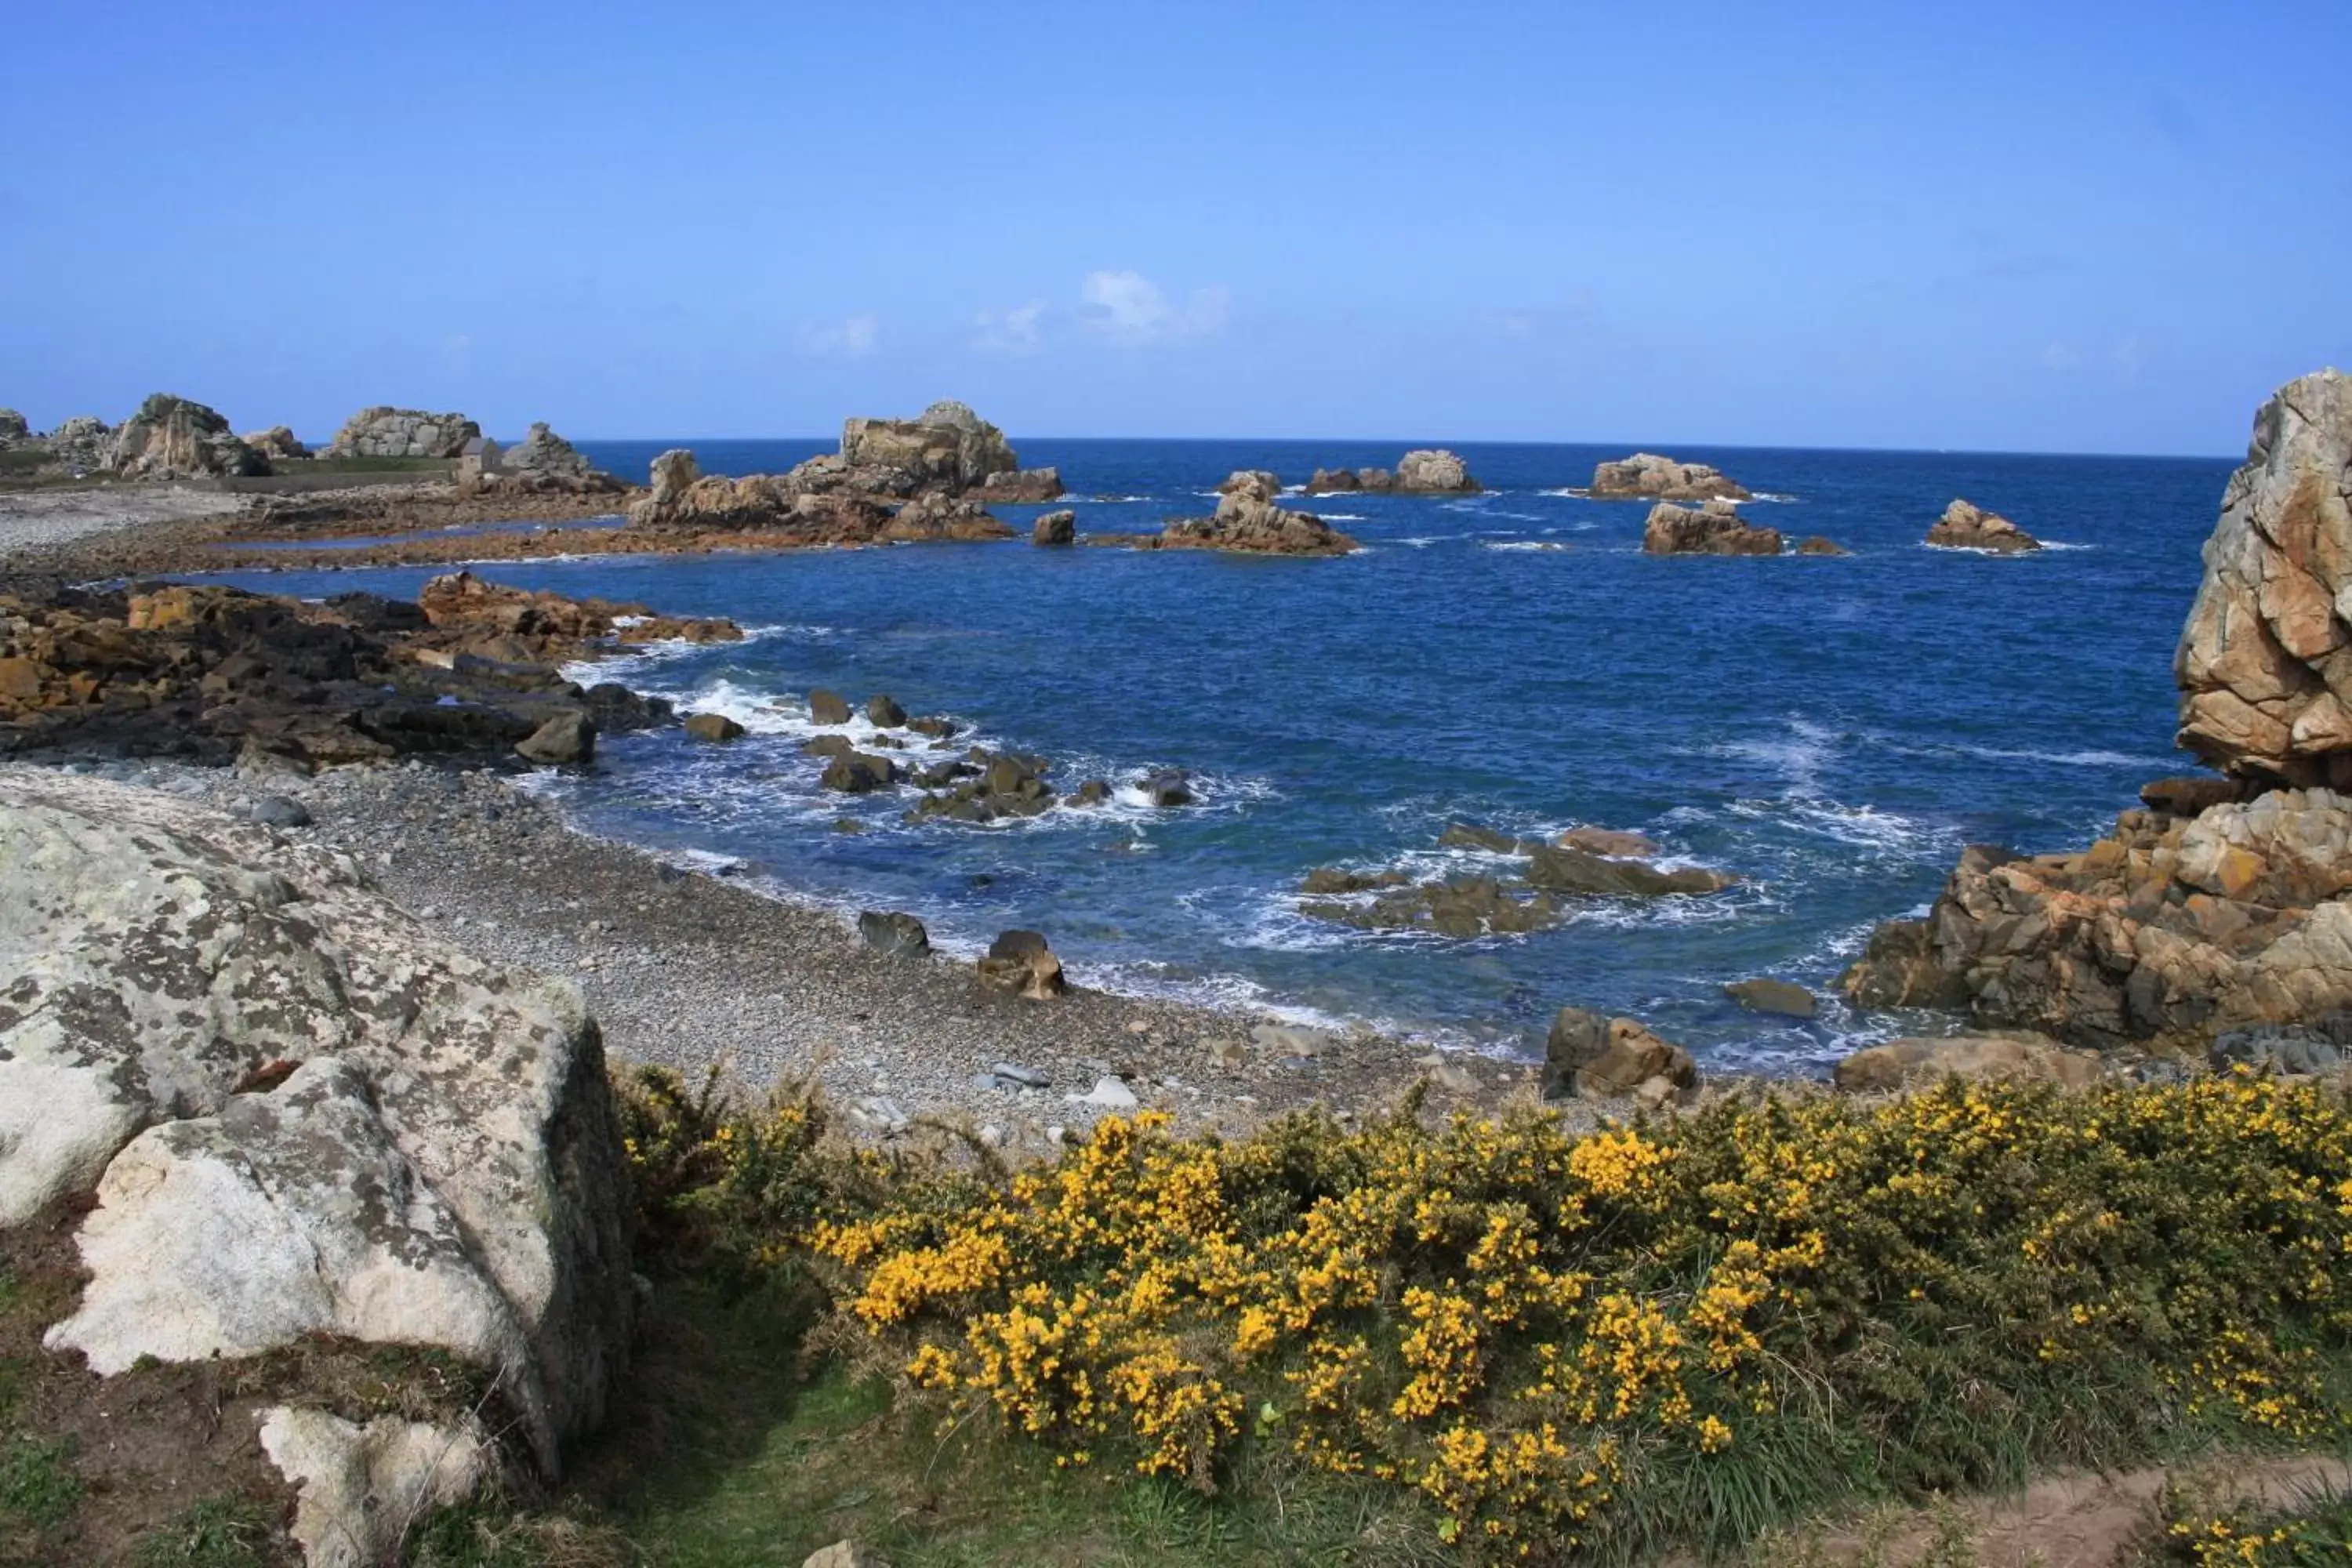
(567, 739)
(1646, 475)
(1597, 1057)
(1020, 963)
(1715, 528)
(2265, 681)
(894, 934)
(1965, 526)
(173, 438)
(383, 432)
(371, 1136)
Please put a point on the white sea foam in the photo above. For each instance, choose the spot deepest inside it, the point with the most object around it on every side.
(1521, 544)
(1577, 492)
(1799, 756)
(1420, 541)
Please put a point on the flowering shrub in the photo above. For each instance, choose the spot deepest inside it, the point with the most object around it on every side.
(2208, 1537)
(1679, 1328)
(718, 1184)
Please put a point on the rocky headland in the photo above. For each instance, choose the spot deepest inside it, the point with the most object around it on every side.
(2213, 920)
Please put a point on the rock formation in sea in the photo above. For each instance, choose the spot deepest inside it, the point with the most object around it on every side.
(382, 432)
(1247, 521)
(1585, 863)
(1646, 475)
(1714, 529)
(1965, 526)
(372, 1138)
(278, 444)
(1424, 472)
(2221, 904)
(2265, 662)
(947, 449)
(173, 438)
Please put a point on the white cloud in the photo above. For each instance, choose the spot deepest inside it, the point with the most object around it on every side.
(854, 337)
(1019, 330)
(1131, 310)
(2061, 356)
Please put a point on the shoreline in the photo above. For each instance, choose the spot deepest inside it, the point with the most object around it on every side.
(688, 969)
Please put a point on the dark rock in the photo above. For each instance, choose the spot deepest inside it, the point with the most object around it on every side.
(2190, 794)
(1817, 546)
(567, 738)
(1055, 528)
(1167, 787)
(828, 746)
(1470, 835)
(859, 773)
(713, 727)
(885, 714)
(1776, 997)
(1329, 879)
(827, 708)
(897, 935)
(934, 725)
(1094, 792)
(277, 811)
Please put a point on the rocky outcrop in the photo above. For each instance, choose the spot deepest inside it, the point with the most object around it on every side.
(546, 454)
(1715, 528)
(1646, 475)
(82, 445)
(1248, 521)
(1965, 526)
(1477, 905)
(934, 518)
(359, 1490)
(2166, 932)
(383, 432)
(519, 626)
(173, 438)
(207, 673)
(13, 428)
(299, 1113)
(278, 444)
(1455, 907)
(1597, 1057)
(2264, 664)
(1055, 528)
(1023, 487)
(946, 447)
(1424, 472)
(1816, 545)
(1918, 1061)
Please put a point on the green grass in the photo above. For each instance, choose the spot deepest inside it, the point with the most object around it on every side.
(38, 1485)
(219, 1532)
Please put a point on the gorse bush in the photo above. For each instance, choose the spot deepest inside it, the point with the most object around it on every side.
(2199, 1535)
(1681, 1330)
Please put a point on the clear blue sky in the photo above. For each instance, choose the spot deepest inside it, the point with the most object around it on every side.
(2092, 226)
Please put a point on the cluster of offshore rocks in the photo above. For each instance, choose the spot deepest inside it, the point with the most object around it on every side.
(213, 674)
(2216, 920)
(1584, 862)
(973, 784)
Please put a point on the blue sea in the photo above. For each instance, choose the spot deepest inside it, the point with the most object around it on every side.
(1832, 729)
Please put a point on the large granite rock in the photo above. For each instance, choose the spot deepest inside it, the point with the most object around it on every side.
(1715, 528)
(278, 444)
(1646, 475)
(543, 452)
(1966, 526)
(1434, 472)
(172, 438)
(13, 428)
(1589, 1054)
(2265, 661)
(82, 445)
(2163, 933)
(1916, 1060)
(382, 432)
(300, 1113)
(947, 446)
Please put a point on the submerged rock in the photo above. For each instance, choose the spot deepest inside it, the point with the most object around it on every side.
(713, 727)
(1646, 475)
(1568, 870)
(1775, 997)
(1966, 527)
(1715, 528)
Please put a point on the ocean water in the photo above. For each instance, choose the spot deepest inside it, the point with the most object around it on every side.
(1832, 730)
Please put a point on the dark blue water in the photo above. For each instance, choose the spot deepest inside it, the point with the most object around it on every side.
(1832, 729)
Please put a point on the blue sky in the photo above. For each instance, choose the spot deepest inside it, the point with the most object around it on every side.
(2083, 226)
